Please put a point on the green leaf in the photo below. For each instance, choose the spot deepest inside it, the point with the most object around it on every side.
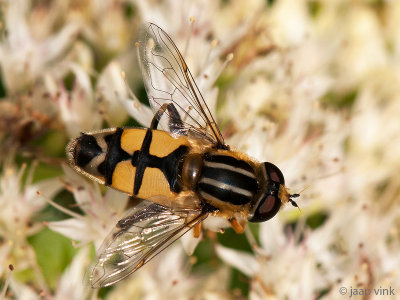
(239, 284)
(54, 253)
(339, 100)
(235, 241)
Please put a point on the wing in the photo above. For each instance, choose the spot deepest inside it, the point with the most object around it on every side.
(145, 231)
(167, 79)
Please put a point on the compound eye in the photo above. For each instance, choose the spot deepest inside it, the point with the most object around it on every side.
(267, 209)
(274, 173)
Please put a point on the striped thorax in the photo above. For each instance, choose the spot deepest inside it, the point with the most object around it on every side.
(226, 179)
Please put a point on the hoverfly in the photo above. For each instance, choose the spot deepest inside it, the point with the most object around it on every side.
(184, 173)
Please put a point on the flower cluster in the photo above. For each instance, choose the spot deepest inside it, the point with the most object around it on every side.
(311, 86)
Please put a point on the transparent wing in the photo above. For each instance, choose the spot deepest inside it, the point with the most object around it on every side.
(167, 79)
(144, 232)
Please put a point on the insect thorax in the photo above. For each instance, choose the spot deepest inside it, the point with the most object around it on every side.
(226, 179)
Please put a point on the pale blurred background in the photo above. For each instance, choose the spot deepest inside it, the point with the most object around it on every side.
(312, 86)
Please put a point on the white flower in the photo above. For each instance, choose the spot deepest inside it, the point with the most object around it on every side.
(18, 204)
(276, 267)
(23, 58)
(312, 88)
(78, 109)
(110, 88)
(290, 22)
(363, 48)
(101, 211)
(137, 110)
(22, 291)
(71, 284)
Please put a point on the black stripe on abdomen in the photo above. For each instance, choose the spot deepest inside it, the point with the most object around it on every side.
(142, 159)
(115, 154)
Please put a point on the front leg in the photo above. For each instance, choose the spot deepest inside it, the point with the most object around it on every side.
(238, 227)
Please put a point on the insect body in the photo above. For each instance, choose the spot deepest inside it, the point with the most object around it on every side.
(185, 173)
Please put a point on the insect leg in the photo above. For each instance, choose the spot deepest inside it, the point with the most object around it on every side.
(238, 227)
(197, 230)
(175, 121)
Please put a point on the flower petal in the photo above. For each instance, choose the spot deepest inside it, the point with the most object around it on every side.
(244, 262)
(72, 228)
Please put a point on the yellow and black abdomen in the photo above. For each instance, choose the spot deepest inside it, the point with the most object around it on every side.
(140, 162)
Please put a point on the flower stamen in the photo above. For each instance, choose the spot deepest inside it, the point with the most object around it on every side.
(7, 282)
(61, 208)
(192, 19)
(228, 58)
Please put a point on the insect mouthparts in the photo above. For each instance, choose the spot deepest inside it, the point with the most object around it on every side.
(292, 201)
